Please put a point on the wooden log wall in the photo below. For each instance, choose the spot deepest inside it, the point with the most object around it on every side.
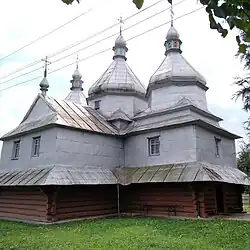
(23, 203)
(210, 199)
(233, 198)
(159, 196)
(74, 202)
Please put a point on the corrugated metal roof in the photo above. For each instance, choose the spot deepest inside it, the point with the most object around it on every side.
(175, 67)
(68, 175)
(184, 172)
(67, 114)
(119, 115)
(118, 77)
(58, 175)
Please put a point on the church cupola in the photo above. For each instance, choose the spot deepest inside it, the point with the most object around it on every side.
(76, 94)
(173, 42)
(44, 84)
(175, 78)
(118, 87)
(120, 48)
(76, 81)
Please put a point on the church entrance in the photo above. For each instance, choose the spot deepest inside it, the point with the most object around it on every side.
(220, 199)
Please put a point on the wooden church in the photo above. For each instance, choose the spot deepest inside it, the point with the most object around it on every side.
(126, 149)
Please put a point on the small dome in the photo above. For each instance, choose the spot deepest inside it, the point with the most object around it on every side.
(120, 41)
(77, 74)
(44, 83)
(172, 34)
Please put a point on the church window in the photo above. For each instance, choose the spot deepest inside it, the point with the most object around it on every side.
(36, 146)
(97, 105)
(15, 150)
(217, 145)
(154, 145)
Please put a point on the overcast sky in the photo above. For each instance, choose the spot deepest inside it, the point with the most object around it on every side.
(24, 21)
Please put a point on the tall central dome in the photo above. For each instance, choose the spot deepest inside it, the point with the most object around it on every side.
(118, 87)
(176, 78)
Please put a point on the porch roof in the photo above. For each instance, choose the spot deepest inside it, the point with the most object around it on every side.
(82, 175)
(183, 172)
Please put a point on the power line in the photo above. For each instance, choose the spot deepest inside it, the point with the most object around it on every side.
(104, 30)
(143, 33)
(114, 34)
(36, 69)
(20, 83)
(20, 69)
(72, 45)
(49, 33)
(189, 13)
(103, 51)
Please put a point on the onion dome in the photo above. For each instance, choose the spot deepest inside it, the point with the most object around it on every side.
(172, 34)
(118, 78)
(120, 41)
(175, 69)
(76, 95)
(44, 85)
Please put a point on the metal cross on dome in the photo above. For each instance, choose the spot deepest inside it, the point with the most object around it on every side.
(77, 61)
(121, 22)
(171, 13)
(46, 63)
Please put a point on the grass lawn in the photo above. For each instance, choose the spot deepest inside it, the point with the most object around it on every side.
(127, 233)
(247, 208)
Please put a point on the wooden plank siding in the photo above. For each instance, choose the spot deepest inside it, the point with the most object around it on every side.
(206, 196)
(74, 202)
(158, 196)
(23, 203)
(56, 203)
(233, 198)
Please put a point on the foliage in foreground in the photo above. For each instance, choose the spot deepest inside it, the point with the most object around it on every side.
(127, 234)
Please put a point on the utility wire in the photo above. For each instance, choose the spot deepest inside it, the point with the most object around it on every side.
(143, 33)
(31, 71)
(72, 45)
(15, 85)
(99, 41)
(103, 51)
(102, 31)
(114, 34)
(49, 33)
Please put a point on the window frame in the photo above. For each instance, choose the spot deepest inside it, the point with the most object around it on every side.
(217, 146)
(155, 144)
(15, 154)
(97, 105)
(36, 153)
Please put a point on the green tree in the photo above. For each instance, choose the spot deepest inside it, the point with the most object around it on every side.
(243, 160)
(234, 13)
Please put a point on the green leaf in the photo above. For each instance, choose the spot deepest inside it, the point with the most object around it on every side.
(243, 48)
(138, 3)
(213, 24)
(230, 21)
(204, 2)
(68, 1)
(238, 40)
(224, 33)
(219, 12)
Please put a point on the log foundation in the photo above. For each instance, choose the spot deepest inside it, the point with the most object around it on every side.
(56, 203)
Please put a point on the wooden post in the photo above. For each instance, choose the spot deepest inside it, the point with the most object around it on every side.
(118, 200)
